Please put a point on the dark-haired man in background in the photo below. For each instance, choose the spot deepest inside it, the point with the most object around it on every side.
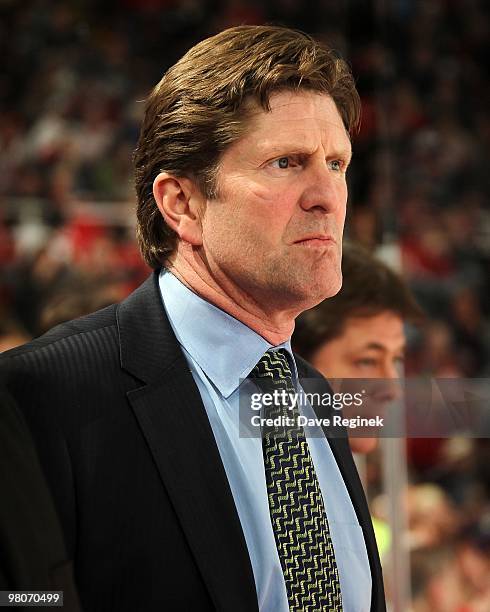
(241, 182)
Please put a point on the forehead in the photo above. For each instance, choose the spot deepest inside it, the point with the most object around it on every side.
(384, 329)
(307, 118)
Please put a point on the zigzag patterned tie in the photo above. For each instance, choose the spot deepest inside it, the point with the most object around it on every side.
(296, 505)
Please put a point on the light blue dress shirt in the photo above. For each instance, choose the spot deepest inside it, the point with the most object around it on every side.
(221, 352)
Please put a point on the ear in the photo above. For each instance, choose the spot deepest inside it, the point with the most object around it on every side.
(181, 204)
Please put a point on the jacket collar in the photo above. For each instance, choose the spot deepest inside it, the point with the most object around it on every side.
(147, 343)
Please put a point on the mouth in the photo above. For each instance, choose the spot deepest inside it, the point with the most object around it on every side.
(313, 240)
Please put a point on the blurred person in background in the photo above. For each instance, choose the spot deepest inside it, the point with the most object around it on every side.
(359, 333)
(431, 516)
(437, 585)
(12, 333)
(473, 557)
(79, 296)
(453, 575)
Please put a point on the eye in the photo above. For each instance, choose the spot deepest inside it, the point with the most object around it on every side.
(337, 165)
(365, 362)
(282, 162)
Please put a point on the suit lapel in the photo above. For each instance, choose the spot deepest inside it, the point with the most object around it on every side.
(171, 415)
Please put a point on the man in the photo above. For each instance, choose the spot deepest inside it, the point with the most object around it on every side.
(359, 333)
(240, 176)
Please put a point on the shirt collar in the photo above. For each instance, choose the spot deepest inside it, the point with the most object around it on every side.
(223, 347)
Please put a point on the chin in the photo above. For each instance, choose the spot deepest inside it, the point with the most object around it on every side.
(334, 287)
(303, 288)
(323, 291)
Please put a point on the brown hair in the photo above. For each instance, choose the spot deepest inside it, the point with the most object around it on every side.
(369, 287)
(200, 107)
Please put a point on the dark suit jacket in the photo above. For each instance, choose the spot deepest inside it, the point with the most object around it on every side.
(131, 459)
(32, 552)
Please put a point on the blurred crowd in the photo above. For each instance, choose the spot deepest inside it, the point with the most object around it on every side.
(71, 99)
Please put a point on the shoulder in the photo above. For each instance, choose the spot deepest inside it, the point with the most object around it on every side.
(65, 362)
(94, 333)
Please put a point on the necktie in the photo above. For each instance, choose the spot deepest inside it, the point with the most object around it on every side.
(296, 505)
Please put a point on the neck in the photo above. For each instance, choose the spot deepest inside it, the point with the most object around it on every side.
(274, 325)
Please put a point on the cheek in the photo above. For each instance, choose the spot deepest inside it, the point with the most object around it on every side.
(232, 234)
(271, 203)
(219, 232)
(350, 370)
(331, 361)
(342, 208)
(267, 212)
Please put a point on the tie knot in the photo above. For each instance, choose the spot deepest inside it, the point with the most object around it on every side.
(273, 365)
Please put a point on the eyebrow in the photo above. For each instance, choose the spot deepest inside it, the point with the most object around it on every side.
(376, 346)
(293, 149)
(277, 148)
(345, 153)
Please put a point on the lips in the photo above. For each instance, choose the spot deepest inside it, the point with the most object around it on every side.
(316, 239)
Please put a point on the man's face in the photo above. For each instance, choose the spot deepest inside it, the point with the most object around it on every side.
(369, 347)
(274, 232)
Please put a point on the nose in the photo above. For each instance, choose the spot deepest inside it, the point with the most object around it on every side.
(391, 381)
(389, 370)
(324, 190)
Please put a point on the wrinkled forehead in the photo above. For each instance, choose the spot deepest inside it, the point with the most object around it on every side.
(383, 330)
(294, 104)
(295, 117)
